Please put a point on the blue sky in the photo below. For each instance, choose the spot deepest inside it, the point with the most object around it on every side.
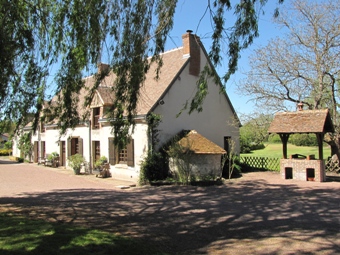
(188, 16)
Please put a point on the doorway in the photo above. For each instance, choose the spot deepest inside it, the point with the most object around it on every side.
(288, 173)
(62, 145)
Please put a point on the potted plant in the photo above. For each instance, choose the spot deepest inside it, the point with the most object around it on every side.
(100, 162)
(76, 161)
(53, 159)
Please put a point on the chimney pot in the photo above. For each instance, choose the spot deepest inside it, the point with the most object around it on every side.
(191, 48)
(103, 68)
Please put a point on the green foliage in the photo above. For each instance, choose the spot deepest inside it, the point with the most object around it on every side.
(231, 161)
(5, 152)
(181, 157)
(254, 132)
(75, 162)
(25, 145)
(303, 140)
(8, 145)
(101, 161)
(153, 122)
(275, 150)
(25, 235)
(154, 167)
(52, 156)
(70, 37)
(274, 138)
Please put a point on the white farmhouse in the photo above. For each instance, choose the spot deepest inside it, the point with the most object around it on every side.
(166, 96)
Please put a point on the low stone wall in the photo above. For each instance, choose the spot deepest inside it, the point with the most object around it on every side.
(201, 165)
(303, 169)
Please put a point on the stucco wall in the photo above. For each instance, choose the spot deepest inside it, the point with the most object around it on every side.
(51, 137)
(215, 121)
(201, 166)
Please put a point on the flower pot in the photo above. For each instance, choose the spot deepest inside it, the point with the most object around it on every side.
(76, 171)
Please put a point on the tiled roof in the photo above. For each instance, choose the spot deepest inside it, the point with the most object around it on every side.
(306, 121)
(152, 89)
(197, 143)
(106, 94)
(150, 92)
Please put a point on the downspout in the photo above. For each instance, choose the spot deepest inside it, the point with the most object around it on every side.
(90, 143)
(39, 145)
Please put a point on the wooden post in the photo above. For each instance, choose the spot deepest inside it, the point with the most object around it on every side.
(319, 137)
(284, 140)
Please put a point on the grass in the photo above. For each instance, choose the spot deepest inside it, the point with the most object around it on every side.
(23, 236)
(274, 150)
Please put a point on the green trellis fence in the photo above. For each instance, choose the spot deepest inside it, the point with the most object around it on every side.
(260, 163)
(273, 164)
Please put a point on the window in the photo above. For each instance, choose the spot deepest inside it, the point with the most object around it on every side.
(96, 115)
(96, 146)
(74, 146)
(124, 156)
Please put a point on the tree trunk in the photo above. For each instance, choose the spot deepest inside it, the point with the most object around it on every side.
(334, 164)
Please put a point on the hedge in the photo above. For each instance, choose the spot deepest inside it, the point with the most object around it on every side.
(5, 152)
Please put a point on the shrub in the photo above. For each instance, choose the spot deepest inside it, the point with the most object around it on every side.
(52, 156)
(274, 138)
(303, 140)
(257, 146)
(154, 167)
(5, 152)
(101, 161)
(76, 161)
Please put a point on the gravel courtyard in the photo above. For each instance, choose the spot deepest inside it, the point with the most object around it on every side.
(259, 213)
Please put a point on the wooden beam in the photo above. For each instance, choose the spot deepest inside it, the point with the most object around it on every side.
(319, 137)
(284, 140)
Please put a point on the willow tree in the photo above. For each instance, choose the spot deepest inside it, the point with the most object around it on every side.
(40, 38)
(302, 66)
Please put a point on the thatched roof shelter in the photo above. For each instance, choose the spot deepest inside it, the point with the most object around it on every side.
(307, 121)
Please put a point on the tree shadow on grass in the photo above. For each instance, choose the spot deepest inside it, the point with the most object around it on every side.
(246, 217)
(19, 235)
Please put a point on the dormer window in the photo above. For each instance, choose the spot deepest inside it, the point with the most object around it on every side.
(96, 115)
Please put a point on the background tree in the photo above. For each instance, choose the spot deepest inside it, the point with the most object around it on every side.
(254, 131)
(25, 145)
(302, 65)
(65, 38)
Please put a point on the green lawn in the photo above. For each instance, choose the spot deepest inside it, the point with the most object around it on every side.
(19, 235)
(274, 150)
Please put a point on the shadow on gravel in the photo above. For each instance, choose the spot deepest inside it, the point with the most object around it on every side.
(201, 220)
(8, 162)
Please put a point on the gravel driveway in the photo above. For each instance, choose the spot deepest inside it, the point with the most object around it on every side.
(258, 213)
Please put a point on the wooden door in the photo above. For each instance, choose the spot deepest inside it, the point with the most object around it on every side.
(35, 152)
(62, 153)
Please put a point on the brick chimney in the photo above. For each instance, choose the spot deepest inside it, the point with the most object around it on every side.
(191, 48)
(103, 68)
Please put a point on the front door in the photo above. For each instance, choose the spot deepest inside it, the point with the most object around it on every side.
(35, 152)
(42, 150)
(62, 153)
